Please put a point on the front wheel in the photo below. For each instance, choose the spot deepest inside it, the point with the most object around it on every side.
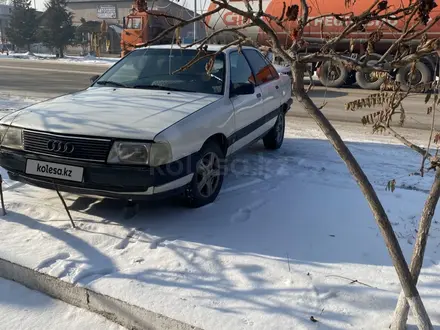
(208, 177)
(275, 137)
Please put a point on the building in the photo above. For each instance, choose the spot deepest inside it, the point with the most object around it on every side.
(93, 12)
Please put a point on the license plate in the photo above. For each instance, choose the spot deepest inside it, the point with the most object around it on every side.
(53, 170)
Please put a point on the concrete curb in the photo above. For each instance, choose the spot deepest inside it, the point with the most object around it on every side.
(130, 316)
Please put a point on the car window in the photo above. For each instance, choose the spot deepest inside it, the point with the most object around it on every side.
(262, 69)
(241, 72)
(156, 68)
(134, 23)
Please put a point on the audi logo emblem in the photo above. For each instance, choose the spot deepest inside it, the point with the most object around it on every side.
(60, 146)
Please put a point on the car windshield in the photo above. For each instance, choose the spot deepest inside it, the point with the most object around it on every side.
(155, 68)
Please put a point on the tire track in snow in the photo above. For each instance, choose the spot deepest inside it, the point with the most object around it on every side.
(124, 242)
(244, 214)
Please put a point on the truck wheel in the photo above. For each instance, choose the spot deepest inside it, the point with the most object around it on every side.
(208, 177)
(275, 137)
(430, 62)
(333, 74)
(369, 80)
(422, 75)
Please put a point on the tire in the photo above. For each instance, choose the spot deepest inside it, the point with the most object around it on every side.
(365, 82)
(275, 137)
(430, 63)
(198, 194)
(328, 69)
(422, 75)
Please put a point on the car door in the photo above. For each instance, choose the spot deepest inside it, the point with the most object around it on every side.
(248, 109)
(267, 78)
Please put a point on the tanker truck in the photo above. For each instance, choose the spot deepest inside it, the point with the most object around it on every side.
(334, 73)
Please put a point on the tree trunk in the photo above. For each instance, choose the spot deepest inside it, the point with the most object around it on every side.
(61, 52)
(402, 308)
(409, 288)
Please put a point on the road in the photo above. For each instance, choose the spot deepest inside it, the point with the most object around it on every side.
(44, 77)
(49, 79)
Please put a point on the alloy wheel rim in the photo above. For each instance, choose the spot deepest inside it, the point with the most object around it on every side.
(208, 174)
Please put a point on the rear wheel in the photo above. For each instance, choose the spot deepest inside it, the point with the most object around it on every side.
(275, 137)
(333, 74)
(208, 177)
(421, 75)
(370, 80)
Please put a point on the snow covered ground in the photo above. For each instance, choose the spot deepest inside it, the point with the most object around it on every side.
(290, 237)
(68, 59)
(12, 102)
(24, 309)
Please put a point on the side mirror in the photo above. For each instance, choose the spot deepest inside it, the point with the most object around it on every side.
(242, 89)
(94, 78)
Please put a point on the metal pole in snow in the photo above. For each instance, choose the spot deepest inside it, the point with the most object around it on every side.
(195, 14)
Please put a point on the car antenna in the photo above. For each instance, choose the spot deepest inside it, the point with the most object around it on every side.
(1, 195)
(65, 206)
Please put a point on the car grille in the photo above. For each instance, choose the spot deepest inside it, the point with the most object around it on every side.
(84, 148)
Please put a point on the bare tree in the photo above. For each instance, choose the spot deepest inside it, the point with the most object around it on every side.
(392, 104)
(286, 35)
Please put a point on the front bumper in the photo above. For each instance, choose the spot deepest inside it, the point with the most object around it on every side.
(117, 181)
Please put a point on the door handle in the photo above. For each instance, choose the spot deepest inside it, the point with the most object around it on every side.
(258, 95)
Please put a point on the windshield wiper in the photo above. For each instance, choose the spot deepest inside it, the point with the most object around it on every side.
(109, 82)
(164, 88)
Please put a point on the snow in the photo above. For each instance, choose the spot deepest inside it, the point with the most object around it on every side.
(22, 308)
(12, 102)
(88, 59)
(289, 237)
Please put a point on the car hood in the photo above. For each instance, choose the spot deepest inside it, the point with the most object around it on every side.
(111, 112)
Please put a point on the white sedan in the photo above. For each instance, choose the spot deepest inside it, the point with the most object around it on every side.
(143, 130)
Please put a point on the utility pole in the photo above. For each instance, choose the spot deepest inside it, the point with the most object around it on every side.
(195, 25)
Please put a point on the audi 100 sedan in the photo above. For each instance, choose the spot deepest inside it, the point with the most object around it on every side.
(152, 125)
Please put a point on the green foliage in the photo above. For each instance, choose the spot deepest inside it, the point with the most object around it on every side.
(57, 30)
(23, 26)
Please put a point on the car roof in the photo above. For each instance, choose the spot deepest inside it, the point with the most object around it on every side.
(213, 47)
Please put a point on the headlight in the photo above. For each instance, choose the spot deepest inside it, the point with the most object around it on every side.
(11, 137)
(160, 153)
(129, 153)
(137, 153)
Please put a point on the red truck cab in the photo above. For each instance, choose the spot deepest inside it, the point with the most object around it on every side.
(141, 26)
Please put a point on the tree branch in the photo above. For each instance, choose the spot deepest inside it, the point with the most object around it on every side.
(181, 24)
(197, 58)
(406, 142)
(434, 21)
(409, 288)
(217, 32)
(402, 309)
